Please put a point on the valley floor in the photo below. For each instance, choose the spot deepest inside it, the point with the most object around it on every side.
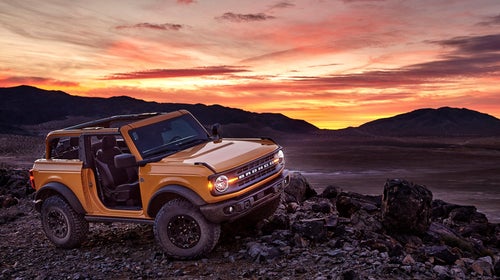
(458, 170)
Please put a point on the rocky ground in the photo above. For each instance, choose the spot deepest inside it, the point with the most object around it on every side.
(332, 235)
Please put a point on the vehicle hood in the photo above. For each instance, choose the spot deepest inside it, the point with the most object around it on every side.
(224, 155)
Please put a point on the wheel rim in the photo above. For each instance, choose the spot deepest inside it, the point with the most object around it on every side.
(183, 231)
(57, 223)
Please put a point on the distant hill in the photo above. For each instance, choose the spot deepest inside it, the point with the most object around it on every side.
(441, 122)
(25, 105)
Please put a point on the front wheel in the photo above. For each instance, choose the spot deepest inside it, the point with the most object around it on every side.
(183, 232)
(62, 225)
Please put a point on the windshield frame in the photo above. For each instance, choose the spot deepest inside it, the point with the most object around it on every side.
(154, 140)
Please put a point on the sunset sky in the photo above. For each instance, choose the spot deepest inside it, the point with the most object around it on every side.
(333, 63)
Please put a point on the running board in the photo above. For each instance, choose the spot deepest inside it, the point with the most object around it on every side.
(99, 219)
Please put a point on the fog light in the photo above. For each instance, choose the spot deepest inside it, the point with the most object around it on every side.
(286, 181)
(229, 210)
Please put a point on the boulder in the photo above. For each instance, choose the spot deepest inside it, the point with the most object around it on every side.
(363, 221)
(259, 252)
(312, 229)
(497, 268)
(470, 223)
(15, 183)
(298, 190)
(440, 254)
(331, 191)
(462, 214)
(7, 201)
(483, 266)
(274, 223)
(321, 207)
(406, 207)
(348, 203)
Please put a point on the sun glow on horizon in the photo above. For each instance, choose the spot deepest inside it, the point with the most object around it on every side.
(348, 64)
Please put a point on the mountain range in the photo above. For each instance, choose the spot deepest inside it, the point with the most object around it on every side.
(25, 106)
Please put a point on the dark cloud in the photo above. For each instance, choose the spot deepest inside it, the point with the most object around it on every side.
(495, 20)
(174, 73)
(470, 56)
(371, 79)
(282, 5)
(244, 17)
(474, 44)
(430, 72)
(473, 56)
(154, 26)
(471, 66)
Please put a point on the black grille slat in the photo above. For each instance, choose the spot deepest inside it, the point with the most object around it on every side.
(256, 171)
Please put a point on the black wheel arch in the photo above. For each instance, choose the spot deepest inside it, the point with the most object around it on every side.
(171, 192)
(56, 188)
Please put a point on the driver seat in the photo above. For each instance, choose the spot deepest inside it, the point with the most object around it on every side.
(117, 184)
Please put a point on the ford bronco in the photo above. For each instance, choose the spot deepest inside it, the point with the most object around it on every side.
(164, 169)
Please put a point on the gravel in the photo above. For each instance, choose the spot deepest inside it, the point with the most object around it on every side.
(289, 245)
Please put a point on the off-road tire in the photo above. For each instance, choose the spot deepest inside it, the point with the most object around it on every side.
(63, 226)
(183, 232)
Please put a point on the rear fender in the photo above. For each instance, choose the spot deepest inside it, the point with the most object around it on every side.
(55, 188)
(171, 192)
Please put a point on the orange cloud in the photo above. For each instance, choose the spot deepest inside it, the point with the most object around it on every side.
(35, 81)
(186, 2)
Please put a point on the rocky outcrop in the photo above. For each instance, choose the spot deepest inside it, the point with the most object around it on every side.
(331, 235)
(298, 190)
(14, 184)
(406, 207)
(404, 232)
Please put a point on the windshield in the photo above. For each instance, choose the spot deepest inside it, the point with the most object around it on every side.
(168, 136)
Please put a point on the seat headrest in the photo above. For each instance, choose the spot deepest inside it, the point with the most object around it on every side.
(108, 142)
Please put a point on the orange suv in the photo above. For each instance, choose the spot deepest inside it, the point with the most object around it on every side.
(163, 169)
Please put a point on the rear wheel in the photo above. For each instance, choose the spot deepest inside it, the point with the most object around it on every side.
(183, 232)
(62, 225)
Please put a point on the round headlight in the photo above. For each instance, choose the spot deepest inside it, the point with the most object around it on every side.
(221, 183)
(281, 156)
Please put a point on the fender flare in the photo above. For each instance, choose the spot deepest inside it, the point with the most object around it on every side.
(54, 188)
(170, 192)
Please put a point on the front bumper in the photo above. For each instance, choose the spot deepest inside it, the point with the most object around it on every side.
(230, 210)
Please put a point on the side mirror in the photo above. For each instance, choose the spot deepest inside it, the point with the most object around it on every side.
(216, 131)
(125, 161)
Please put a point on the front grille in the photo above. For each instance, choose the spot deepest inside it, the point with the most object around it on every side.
(256, 171)
(249, 174)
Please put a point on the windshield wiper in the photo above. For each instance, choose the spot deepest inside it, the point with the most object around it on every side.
(193, 142)
(159, 150)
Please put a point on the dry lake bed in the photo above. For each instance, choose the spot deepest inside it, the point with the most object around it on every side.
(464, 171)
